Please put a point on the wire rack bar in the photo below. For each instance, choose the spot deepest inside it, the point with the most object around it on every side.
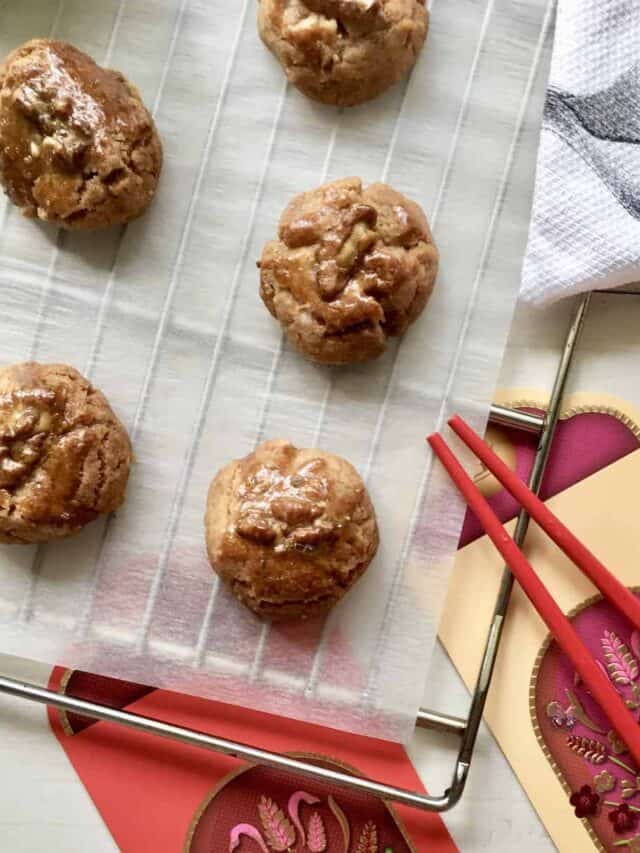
(192, 737)
(515, 418)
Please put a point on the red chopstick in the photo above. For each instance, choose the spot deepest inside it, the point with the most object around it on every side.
(561, 628)
(608, 584)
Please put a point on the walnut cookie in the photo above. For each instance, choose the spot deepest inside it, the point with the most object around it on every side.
(289, 530)
(78, 148)
(351, 268)
(64, 455)
(344, 52)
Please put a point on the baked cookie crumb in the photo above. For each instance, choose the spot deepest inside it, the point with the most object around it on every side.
(344, 52)
(78, 148)
(289, 530)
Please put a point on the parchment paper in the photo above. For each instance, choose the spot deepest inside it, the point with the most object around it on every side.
(165, 317)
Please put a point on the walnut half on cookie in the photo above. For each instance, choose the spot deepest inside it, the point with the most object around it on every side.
(289, 530)
(64, 455)
(78, 148)
(351, 267)
(344, 52)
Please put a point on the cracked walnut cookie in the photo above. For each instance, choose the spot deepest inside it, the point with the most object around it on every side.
(78, 148)
(289, 530)
(351, 267)
(344, 52)
(64, 455)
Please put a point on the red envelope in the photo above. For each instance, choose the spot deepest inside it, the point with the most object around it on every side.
(160, 796)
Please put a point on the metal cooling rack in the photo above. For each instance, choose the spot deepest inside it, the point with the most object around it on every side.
(466, 729)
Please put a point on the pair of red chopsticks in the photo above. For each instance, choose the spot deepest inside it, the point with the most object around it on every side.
(617, 594)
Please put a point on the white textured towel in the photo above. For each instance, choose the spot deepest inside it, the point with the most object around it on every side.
(585, 230)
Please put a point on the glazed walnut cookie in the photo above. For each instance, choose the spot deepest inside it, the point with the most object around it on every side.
(64, 455)
(351, 268)
(78, 148)
(344, 52)
(289, 530)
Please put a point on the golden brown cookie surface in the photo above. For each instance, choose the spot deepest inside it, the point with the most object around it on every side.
(344, 52)
(64, 455)
(289, 530)
(351, 268)
(78, 148)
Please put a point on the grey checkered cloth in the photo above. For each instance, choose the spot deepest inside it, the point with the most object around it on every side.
(585, 231)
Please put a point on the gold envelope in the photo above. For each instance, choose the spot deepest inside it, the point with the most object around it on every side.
(602, 511)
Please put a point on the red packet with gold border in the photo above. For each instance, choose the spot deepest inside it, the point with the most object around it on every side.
(157, 795)
(554, 736)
